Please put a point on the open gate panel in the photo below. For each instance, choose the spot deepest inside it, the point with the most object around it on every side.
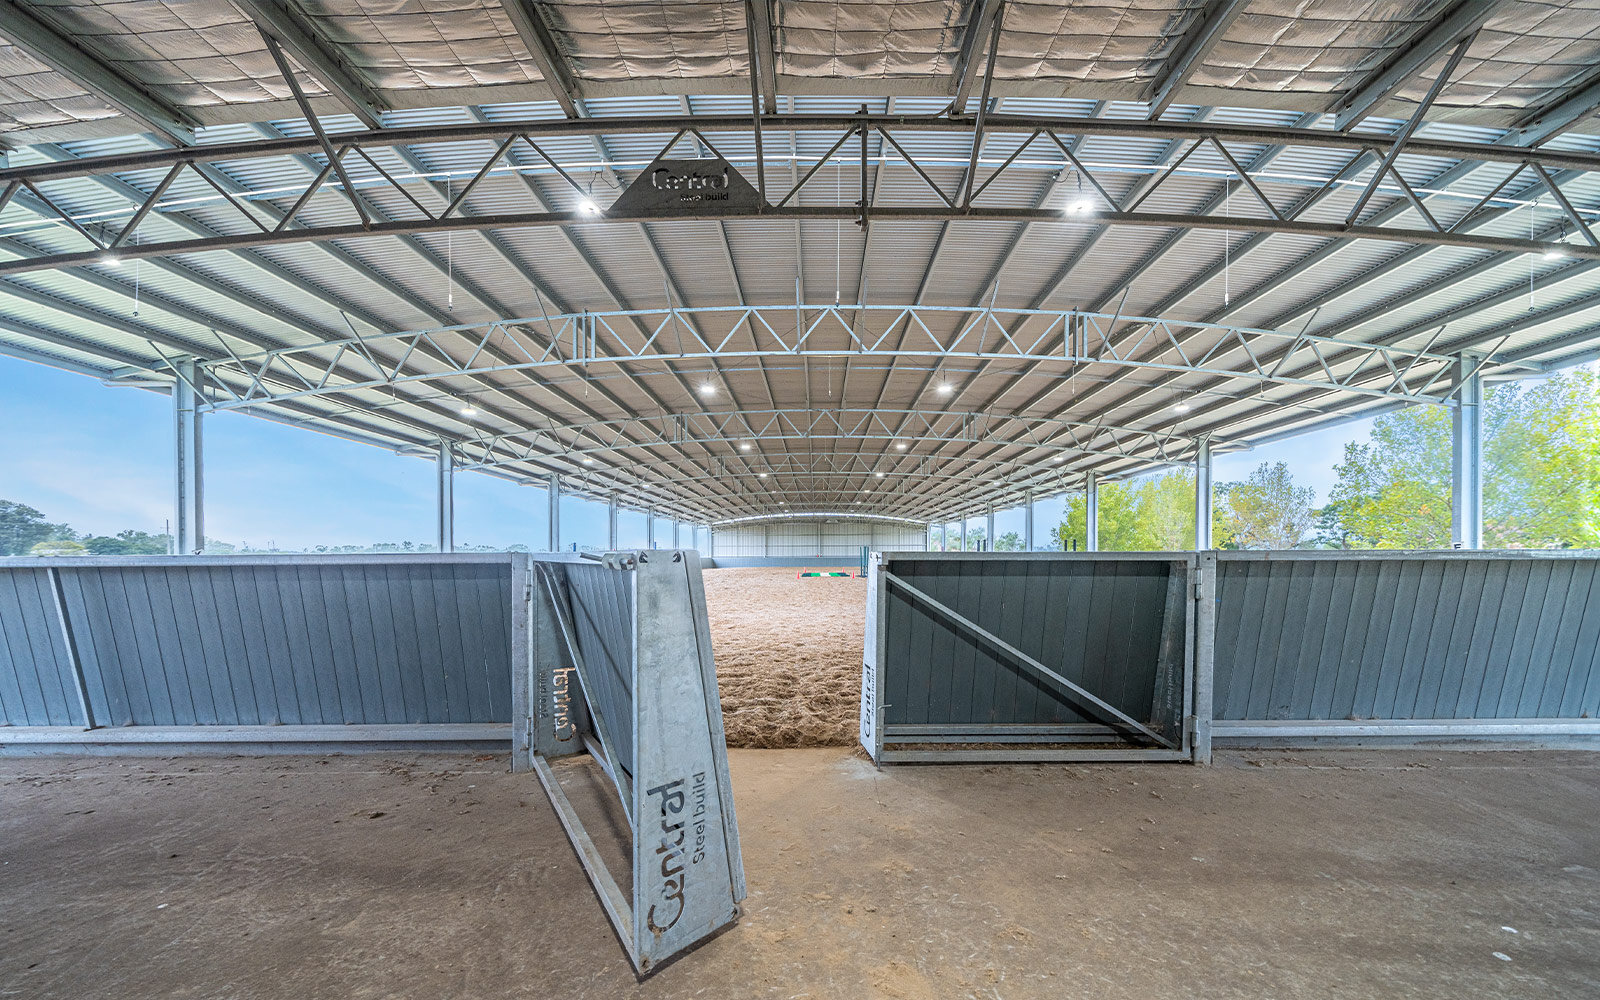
(619, 667)
(1030, 657)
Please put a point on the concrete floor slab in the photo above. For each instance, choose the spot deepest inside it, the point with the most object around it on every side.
(1274, 874)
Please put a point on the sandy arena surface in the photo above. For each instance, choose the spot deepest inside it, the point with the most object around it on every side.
(788, 656)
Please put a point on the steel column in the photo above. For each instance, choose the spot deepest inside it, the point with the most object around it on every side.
(1466, 456)
(553, 495)
(677, 538)
(1091, 513)
(188, 522)
(445, 496)
(650, 528)
(611, 522)
(989, 527)
(1027, 523)
(1202, 496)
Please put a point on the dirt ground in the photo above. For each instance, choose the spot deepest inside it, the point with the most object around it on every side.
(788, 656)
(1338, 875)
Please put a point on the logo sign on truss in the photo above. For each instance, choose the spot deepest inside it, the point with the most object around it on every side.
(687, 187)
(619, 666)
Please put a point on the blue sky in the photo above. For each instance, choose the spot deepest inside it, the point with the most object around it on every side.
(98, 457)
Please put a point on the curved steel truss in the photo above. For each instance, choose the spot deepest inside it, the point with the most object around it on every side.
(1397, 188)
(1070, 339)
(738, 434)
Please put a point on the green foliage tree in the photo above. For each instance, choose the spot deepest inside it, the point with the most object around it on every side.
(975, 537)
(58, 547)
(1266, 511)
(1541, 471)
(128, 543)
(22, 527)
(1154, 514)
(1008, 542)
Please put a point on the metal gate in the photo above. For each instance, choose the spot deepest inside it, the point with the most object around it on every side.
(619, 667)
(1032, 657)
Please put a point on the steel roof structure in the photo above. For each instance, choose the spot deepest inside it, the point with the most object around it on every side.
(988, 246)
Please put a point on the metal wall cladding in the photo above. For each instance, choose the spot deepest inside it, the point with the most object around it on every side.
(1441, 637)
(36, 683)
(251, 643)
(602, 601)
(1096, 622)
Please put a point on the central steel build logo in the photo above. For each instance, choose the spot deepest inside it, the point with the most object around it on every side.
(713, 183)
(671, 849)
(561, 703)
(687, 187)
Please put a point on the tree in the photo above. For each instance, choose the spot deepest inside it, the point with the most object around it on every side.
(975, 537)
(128, 543)
(22, 527)
(1541, 471)
(1266, 511)
(1008, 542)
(58, 547)
(1154, 514)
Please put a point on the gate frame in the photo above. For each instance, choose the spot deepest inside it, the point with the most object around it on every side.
(1194, 573)
(673, 688)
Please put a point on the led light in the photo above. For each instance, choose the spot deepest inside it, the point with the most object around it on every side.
(763, 475)
(588, 207)
(588, 461)
(110, 258)
(1182, 406)
(1059, 458)
(901, 446)
(879, 475)
(708, 389)
(1079, 206)
(1555, 253)
(469, 411)
(945, 388)
(744, 445)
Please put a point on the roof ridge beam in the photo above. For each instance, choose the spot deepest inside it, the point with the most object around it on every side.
(1461, 21)
(546, 54)
(285, 24)
(972, 46)
(1196, 45)
(66, 57)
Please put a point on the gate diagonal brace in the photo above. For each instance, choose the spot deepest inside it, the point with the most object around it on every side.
(618, 665)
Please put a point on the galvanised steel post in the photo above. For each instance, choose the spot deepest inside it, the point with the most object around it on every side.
(445, 496)
(1466, 455)
(1027, 523)
(963, 532)
(553, 495)
(650, 529)
(677, 542)
(189, 513)
(1091, 513)
(989, 532)
(1202, 495)
(611, 522)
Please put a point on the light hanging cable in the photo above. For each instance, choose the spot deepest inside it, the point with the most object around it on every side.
(449, 255)
(838, 231)
(1227, 242)
(136, 279)
(1531, 209)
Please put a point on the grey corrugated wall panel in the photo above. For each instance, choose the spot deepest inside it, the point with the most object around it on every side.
(1396, 636)
(36, 684)
(602, 614)
(1096, 622)
(309, 641)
